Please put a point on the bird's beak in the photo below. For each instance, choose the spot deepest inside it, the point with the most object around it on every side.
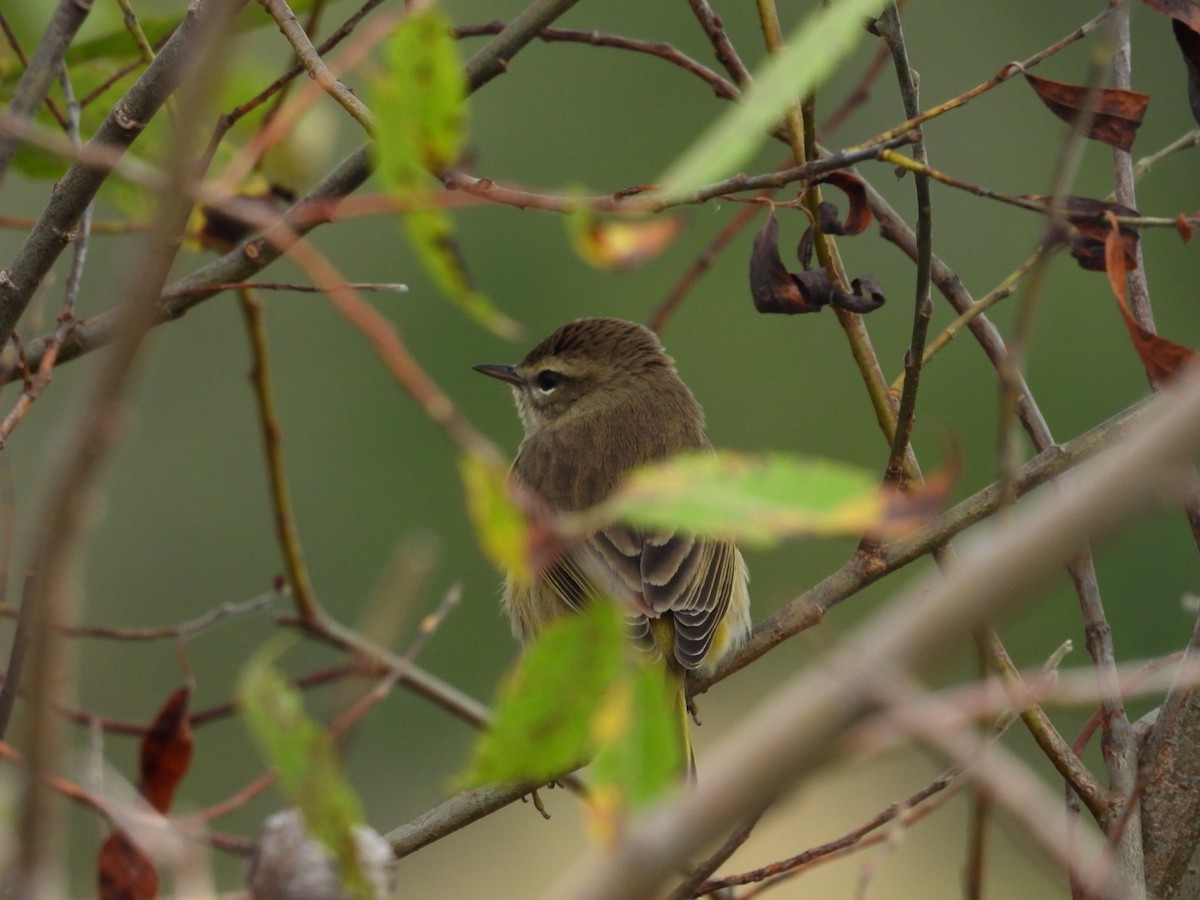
(504, 373)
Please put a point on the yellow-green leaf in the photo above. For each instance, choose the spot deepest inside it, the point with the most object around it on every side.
(811, 54)
(547, 707)
(753, 498)
(305, 760)
(501, 527)
(420, 101)
(620, 245)
(641, 747)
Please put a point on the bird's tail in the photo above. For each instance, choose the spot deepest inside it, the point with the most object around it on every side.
(683, 716)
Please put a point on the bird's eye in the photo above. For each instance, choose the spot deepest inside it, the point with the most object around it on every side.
(547, 380)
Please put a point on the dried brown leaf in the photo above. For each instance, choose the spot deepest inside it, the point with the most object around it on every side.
(1091, 229)
(1162, 358)
(1184, 227)
(123, 871)
(166, 751)
(776, 290)
(1116, 114)
(773, 287)
(859, 215)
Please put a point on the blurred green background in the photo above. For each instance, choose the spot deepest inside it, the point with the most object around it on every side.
(185, 522)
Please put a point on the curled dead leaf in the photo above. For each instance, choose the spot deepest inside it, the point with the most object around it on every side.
(858, 217)
(776, 290)
(1163, 359)
(773, 287)
(1090, 230)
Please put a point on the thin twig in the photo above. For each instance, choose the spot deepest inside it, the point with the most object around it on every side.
(1015, 68)
(277, 86)
(182, 631)
(699, 875)
(890, 28)
(664, 51)
(726, 54)
(1146, 164)
(429, 625)
(307, 606)
(291, 28)
(925, 801)
(392, 288)
(1002, 291)
(652, 201)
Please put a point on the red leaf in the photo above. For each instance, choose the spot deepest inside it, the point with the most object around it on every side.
(1116, 114)
(1184, 227)
(1162, 359)
(124, 872)
(166, 751)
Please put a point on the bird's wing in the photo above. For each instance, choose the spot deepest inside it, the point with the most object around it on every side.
(689, 577)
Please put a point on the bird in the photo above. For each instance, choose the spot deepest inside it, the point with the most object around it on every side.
(597, 398)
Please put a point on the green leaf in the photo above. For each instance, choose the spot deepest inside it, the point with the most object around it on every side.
(420, 107)
(420, 101)
(811, 54)
(642, 745)
(303, 756)
(753, 498)
(547, 706)
(500, 525)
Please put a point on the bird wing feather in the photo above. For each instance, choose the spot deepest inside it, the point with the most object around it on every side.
(689, 578)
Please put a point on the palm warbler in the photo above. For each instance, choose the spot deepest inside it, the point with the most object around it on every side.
(597, 398)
